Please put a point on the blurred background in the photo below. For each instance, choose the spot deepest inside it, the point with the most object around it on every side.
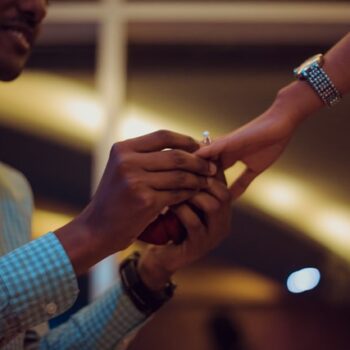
(108, 70)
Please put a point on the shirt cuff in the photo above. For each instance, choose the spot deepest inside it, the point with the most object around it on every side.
(110, 321)
(37, 282)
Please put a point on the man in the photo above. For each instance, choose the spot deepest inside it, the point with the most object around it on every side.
(38, 279)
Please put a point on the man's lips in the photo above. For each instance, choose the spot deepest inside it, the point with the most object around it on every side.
(22, 33)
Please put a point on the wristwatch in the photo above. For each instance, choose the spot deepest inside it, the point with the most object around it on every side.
(146, 300)
(312, 72)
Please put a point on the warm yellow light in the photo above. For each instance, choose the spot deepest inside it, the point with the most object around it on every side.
(85, 113)
(283, 196)
(233, 173)
(334, 223)
(135, 123)
(45, 220)
(303, 208)
(54, 107)
(279, 194)
(227, 285)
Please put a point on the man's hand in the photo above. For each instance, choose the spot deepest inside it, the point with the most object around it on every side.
(158, 263)
(140, 179)
(257, 144)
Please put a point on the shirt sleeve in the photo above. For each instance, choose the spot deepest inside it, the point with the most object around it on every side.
(37, 282)
(108, 323)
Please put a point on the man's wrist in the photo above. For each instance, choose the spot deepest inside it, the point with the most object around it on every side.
(76, 241)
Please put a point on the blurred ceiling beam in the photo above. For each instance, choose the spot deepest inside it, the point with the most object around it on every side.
(239, 12)
(316, 12)
(218, 22)
(110, 76)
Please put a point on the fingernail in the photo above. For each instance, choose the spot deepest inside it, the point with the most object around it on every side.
(212, 168)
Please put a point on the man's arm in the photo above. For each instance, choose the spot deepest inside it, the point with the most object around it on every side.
(260, 143)
(102, 325)
(38, 280)
(106, 323)
(139, 181)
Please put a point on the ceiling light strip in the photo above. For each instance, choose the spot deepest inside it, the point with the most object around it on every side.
(270, 12)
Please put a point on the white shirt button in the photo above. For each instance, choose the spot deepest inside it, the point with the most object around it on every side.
(51, 308)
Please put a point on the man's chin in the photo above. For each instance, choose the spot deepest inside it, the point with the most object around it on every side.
(10, 70)
(9, 75)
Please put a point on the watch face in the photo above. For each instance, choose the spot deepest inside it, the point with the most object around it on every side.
(312, 60)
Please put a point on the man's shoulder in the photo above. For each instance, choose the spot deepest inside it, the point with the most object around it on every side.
(13, 182)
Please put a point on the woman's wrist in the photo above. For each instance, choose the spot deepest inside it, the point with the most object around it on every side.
(146, 299)
(296, 102)
(152, 273)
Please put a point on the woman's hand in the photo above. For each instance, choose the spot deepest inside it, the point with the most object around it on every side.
(257, 144)
(206, 217)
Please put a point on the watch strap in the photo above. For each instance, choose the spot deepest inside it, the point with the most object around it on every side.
(323, 86)
(146, 300)
(318, 79)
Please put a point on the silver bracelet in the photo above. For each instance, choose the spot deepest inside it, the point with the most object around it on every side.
(311, 71)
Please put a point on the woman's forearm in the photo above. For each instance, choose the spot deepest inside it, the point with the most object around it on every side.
(337, 64)
(298, 100)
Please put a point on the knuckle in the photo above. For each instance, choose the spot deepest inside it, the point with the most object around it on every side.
(198, 182)
(195, 225)
(190, 140)
(146, 199)
(115, 150)
(177, 194)
(123, 166)
(202, 165)
(213, 207)
(181, 179)
(119, 147)
(180, 195)
(178, 158)
(164, 135)
(190, 181)
(132, 183)
(118, 156)
(190, 144)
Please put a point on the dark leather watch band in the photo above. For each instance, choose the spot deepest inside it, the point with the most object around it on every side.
(146, 300)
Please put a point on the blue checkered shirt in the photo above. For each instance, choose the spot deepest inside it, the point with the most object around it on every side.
(37, 282)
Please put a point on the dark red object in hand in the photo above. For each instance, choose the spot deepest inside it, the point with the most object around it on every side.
(165, 228)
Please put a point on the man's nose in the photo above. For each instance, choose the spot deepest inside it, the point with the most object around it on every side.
(34, 10)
